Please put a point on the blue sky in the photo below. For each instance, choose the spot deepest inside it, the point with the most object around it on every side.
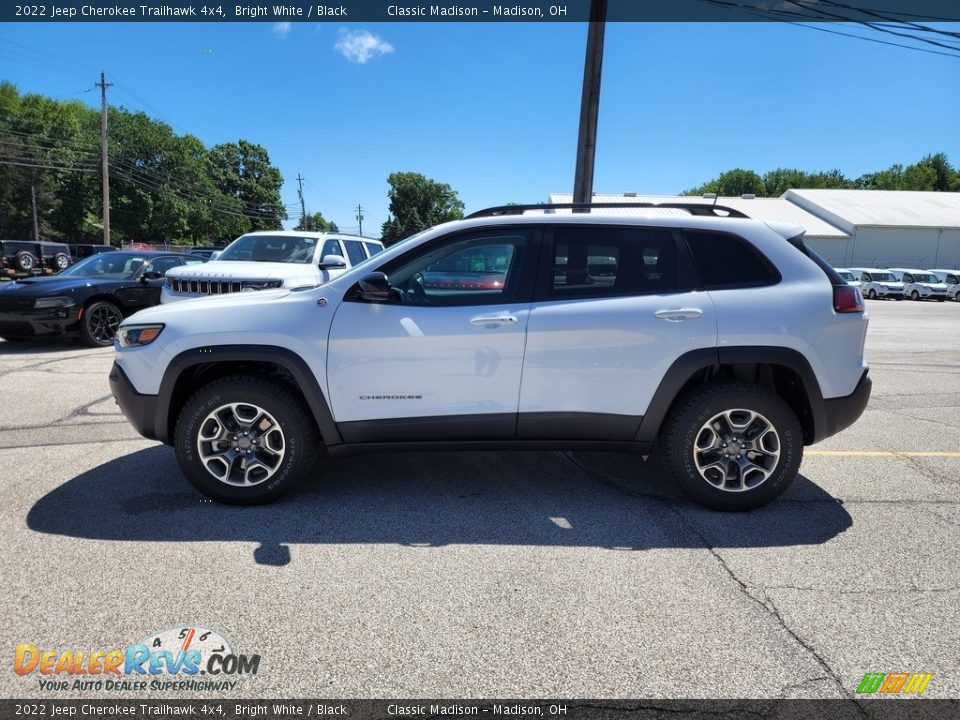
(492, 109)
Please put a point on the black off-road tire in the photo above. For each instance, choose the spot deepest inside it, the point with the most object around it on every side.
(60, 262)
(691, 412)
(302, 440)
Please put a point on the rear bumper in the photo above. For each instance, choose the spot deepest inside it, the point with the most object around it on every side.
(842, 412)
(140, 410)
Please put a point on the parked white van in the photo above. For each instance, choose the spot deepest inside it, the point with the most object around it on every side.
(952, 280)
(878, 283)
(920, 284)
(848, 277)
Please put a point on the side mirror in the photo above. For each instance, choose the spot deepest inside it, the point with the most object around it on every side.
(374, 287)
(151, 275)
(332, 262)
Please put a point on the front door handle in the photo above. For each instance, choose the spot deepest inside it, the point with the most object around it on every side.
(679, 314)
(492, 321)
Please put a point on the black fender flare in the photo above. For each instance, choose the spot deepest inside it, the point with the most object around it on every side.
(688, 364)
(283, 357)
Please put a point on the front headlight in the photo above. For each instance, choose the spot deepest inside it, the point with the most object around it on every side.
(53, 302)
(138, 335)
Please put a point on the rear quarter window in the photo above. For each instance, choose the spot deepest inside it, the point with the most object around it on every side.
(725, 260)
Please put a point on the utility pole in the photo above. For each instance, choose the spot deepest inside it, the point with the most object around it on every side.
(33, 199)
(590, 104)
(104, 167)
(303, 205)
(360, 218)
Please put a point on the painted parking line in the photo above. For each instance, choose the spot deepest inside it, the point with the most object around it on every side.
(878, 453)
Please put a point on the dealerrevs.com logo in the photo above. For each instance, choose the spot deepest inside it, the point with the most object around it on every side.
(188, 657)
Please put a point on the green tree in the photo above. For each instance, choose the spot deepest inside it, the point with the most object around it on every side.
(732, 182)
(242, 170)
(316, 223)
(416, 203)
(777, 182)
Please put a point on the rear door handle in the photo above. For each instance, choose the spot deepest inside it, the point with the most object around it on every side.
(492, 321)
(679, 314)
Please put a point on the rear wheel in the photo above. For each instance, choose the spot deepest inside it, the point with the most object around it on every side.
(60, 262)
(24, 261)
(732, 445)
(246, 440)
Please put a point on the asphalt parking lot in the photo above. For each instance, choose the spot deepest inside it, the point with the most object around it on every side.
(527, 574)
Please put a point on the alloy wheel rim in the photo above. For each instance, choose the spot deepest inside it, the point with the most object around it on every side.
(241, 444)
(736, 450)
(104, 321)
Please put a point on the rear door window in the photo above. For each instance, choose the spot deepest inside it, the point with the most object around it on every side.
(609, 262)
(354, 251)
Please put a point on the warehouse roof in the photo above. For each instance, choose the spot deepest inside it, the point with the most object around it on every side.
(903, 208)
(766, 209)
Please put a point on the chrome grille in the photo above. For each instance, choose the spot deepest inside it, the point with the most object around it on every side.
(206, 287)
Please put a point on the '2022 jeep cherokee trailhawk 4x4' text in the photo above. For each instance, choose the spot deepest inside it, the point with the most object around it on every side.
(717, 342)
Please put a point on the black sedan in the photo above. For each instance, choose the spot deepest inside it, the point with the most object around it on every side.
(87, 300)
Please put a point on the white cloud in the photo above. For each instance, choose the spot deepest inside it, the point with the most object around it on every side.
(361, 45)
(282, 29)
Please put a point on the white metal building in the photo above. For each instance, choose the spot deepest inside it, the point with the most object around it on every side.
(890, 228)
(828, 240)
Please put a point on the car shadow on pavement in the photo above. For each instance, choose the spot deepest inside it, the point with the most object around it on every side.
(39, 347)
(433, 499)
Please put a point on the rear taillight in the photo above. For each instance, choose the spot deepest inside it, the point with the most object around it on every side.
(847, 299)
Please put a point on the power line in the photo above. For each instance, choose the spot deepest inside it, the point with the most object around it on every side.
(837, 16)
(49, 167)
(810, 14)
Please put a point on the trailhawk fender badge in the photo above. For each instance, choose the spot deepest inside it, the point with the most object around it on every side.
(321, 302)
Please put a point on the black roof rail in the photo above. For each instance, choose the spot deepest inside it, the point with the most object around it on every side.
(700, 209)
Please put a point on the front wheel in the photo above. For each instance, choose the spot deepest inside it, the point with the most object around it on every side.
(99, 324)
(246, 440)
(732, 445)
(914, 296)
(872, 294)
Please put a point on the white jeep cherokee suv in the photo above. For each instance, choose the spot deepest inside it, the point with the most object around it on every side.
(270, 259)
(719, 343)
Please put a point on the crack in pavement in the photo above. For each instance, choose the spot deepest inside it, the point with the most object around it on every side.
(132, 438)
(861, 591)
(78, 412)
(796, 686)
(755, 594)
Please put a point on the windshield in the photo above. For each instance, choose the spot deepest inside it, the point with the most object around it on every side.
(883, 277)
(271, 248)
(924, 277)
(112, 265)
(846, 275)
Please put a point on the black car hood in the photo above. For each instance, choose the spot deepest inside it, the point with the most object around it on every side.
(46, 286)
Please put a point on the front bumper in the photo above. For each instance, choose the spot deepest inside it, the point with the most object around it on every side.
(140, 410)
(48, 322)
(842, 412)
